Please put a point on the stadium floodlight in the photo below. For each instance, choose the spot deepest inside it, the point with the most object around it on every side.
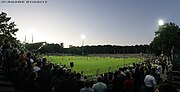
(82, 38)
(33, 31)
(161, 22)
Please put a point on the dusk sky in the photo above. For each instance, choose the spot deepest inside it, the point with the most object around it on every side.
(115, 22)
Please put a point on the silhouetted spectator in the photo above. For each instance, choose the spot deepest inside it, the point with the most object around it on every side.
(80, 83)
(28, 58)
(128, 83)
(31, 84)
(15, 56)
(118, 82)
(44, 78)
(105, 78)
(169, 71)
(57, 79)
(6, 55)
(163, 64)
(158, 71)
(86, 87)
(67, 85)
(22, 57)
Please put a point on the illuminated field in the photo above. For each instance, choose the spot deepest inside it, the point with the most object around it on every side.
(89, 65)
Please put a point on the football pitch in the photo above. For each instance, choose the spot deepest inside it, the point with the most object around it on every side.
(90, 65)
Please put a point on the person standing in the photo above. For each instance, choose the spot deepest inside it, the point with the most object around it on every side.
(149, 82)
(87, 87)
(169, 71)
(99, 86)
(128, 83)
(163, 64)
(158, 71)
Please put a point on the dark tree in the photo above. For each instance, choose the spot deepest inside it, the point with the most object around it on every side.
(167, 38)
(7, 28)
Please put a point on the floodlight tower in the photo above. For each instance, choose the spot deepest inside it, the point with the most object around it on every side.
(82, 38)
(161, 23)
(33, 32)
(32, 38)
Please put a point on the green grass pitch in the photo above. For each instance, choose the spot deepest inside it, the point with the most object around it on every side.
(90, 65)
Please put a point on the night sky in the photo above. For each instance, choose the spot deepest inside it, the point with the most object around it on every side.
(115, 22)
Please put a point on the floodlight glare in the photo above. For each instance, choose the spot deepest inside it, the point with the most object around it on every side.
(82, 37)
(161, 22)
(32, 31)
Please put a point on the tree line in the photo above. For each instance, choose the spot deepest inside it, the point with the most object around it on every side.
(79, 50)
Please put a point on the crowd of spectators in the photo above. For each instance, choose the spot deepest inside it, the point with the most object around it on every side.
(32, 74)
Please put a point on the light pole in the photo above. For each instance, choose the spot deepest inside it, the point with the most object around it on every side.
(32, 37)
(82, 38)
(32, 31)
(161, 23)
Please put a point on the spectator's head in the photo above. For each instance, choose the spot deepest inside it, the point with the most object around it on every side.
(82, 72)
(110, 75)
(33, 75)
(105, 75)
(44, 59)
(85, 77)
(71, 76)
(87, 83)
(120, 69)
(116, 74)
(134, 64)
(39, 64)
(28, 54)
(14, 50)
(61, 72)
(78, 75)
(99, 79)
(128, 75)
(6, 41)
(48, 67)
(22, 52)
(15, 45)
(56, 67)
(159, 63)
